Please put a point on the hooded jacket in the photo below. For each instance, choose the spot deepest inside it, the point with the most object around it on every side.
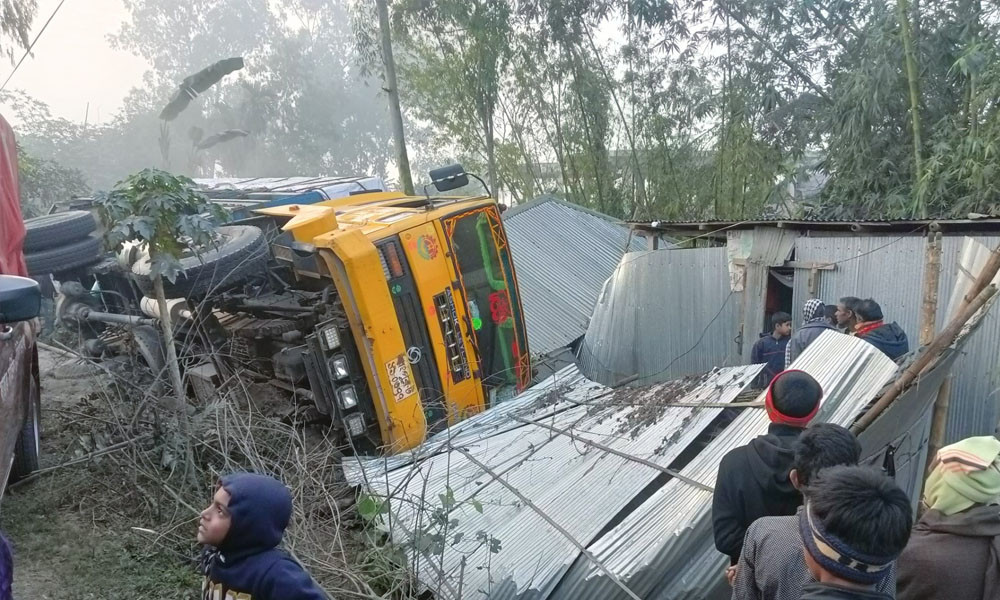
(753, 483)
(955, 556)
(771, 352)
(804, 336)
(248, 564)
(889, 338)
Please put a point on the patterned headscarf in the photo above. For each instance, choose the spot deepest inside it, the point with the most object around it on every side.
(965, 474)
(814, 310)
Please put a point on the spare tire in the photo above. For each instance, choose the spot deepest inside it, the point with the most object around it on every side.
(58, 229)
(63, 258)
(239, 253)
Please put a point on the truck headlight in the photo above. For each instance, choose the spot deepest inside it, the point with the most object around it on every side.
(348, 397)
(338, 367)
(355, 425)
(331, 338)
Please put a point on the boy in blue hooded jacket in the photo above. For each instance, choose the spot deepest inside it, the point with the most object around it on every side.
(241, 530)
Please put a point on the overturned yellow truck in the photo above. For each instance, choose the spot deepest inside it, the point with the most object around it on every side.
(431, 329)
(397, 315)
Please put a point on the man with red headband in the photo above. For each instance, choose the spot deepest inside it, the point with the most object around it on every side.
(753, 480)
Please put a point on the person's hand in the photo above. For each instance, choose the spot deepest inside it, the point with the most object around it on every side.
(731, 574)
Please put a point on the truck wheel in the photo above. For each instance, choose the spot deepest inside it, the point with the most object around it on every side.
(58, 229)
(63, 258)
(240, 253)
(28, 442)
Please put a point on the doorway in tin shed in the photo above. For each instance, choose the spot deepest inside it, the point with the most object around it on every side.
(778, 297)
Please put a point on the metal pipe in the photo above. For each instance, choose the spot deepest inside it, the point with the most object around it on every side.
(103, 317)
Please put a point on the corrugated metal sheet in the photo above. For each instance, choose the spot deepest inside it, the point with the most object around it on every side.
(580, 487)
(662, 314)
(890, 268)
(654, 536)
(563, 254)
(664, 548)
(246, 187)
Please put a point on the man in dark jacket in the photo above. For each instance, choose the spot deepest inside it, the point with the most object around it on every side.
(872, 328)
(814, 322)
(954, 550)
(770, 348)
(241, 531)
(854, 525)
(753, 480)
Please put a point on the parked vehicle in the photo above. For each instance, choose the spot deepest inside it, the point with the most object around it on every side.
(394, 315)
(20, 299)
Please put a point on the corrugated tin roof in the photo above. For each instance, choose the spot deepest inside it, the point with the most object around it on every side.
(718, 227)
(664, 313)
(653, 536)
(244, 187)
(563, 254)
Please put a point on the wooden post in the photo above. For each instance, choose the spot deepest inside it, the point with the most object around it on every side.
(813, 273)
(939, 422)
(932, 276)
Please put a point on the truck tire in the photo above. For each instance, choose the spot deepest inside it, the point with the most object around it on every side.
(241, 252)
(58, 229)
(28, 446)
(63, 258)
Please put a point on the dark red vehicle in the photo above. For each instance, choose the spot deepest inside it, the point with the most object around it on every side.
(20, 301)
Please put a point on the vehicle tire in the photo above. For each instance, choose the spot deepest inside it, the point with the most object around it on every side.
(240, 253)
(63, 258)
(58, 229)
(28, 446)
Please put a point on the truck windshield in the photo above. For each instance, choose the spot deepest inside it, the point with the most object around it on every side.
(479, 246)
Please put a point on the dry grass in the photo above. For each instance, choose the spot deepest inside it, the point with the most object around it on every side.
(142, 486)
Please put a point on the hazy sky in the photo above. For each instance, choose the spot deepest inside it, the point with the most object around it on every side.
(73, 63)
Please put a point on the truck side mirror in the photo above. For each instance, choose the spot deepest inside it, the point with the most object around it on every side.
(20, 299)
(449, 178)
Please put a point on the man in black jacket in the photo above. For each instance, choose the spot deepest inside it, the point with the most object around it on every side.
(753, 480)
(872, 328)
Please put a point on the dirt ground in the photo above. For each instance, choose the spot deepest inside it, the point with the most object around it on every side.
(66, 544)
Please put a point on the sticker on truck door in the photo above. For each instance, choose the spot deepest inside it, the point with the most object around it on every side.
(401, 378)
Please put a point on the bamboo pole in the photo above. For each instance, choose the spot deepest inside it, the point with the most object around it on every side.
(932, 277)
(939, 422)
(983, 279)
(939, 419)
(925, 359)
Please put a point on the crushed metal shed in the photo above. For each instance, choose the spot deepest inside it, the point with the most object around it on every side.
(563, 254)
(778, 265)
(574, 490)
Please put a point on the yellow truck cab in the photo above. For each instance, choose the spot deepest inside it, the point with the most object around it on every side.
(428, 327)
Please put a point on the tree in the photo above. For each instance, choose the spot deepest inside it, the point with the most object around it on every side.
(15, 25)
(45, 182)
(164, 213)
(392, 90)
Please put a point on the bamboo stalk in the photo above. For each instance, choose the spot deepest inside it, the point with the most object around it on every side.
(932, 277)
(923, 361)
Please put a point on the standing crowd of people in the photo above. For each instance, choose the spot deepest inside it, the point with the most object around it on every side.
(778, 348)
(800, 519)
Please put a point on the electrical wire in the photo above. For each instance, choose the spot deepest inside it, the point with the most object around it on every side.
(28, 51)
